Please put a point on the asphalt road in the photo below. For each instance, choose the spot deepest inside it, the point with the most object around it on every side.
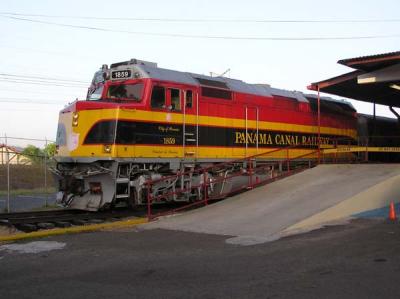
(359, 260)
(20, 203)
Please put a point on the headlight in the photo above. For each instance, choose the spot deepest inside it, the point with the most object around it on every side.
(75, 117)
(107, 148)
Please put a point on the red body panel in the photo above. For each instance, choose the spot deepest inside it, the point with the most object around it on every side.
(271, 109)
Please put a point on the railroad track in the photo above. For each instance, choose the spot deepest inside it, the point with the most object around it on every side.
(33, 221)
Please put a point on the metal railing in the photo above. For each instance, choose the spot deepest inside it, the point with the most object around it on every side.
(255, 171)
(26, 176)
(346, 152)
(377, 149)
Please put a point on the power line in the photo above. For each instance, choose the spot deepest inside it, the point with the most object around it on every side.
(29, 101)
(55, 83)
(64, 54)
(215, 37)
(44, 78)
(28, 139)
(49, 81)
(20, 110)
(35, 92)
(194, 20)
(42, 81)
(5, 80)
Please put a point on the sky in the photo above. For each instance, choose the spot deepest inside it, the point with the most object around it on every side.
(50, 49)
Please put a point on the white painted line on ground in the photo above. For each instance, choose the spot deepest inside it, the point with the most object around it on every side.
(34, 247)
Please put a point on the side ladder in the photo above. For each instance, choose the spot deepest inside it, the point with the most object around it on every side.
(190, 132)
(122, 188)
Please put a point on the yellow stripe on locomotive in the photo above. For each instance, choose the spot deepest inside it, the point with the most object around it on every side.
(76, 135)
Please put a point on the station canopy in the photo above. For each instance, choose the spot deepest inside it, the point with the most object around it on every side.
(376, 79)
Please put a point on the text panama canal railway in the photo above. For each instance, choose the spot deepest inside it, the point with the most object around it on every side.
(140, 122)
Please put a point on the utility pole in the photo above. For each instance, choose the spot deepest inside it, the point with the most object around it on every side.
(8, 173)
(45, 173)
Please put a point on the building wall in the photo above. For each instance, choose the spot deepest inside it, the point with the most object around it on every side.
(16, 158)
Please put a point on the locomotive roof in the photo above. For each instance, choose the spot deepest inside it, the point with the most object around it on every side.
(146, 69)
(379, 118)
(329, 99)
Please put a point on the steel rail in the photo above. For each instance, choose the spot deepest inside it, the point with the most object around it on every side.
(20, 219)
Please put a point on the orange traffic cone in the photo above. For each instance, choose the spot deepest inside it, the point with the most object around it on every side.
(392, 212)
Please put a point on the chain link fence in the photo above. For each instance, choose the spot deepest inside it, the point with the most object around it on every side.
(25, 180)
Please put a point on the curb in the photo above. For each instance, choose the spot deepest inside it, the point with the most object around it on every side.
(75, 229)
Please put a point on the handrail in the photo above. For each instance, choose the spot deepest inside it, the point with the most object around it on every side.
(251, 171)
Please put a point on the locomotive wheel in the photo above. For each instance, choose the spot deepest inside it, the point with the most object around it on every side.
(196, 195)
(107, 207)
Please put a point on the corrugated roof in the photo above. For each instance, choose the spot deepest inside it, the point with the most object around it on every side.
(346, 85)
(369, 57)
(372, 62)
(334, 80)
(10, 148)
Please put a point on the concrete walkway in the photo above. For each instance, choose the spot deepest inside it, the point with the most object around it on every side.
(295, 204)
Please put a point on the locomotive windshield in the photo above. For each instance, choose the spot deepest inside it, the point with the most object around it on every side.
(96, 95)
(126, 91)
(96, 88)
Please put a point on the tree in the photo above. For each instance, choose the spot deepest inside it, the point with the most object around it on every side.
(36, 155)
(50, 150)
(33, 154)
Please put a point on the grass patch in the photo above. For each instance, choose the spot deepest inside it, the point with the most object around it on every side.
(25, 177)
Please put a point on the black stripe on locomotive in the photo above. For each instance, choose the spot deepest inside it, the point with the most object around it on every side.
(135, 132)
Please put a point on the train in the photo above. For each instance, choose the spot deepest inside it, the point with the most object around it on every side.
(141, 122)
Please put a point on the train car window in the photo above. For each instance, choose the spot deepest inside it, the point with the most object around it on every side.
(175, 99)
(158, 97)
(126, 132)
(126, 91)
(212, 83)
(101, 132)
(216, 93)
(189, 99)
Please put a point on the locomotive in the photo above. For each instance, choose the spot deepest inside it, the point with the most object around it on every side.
(141, 122)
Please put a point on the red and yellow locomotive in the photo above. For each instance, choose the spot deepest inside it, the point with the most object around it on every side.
(143, 122)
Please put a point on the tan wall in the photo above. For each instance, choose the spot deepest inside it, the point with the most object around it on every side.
(15, 158)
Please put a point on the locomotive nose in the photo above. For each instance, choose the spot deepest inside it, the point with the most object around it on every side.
(66, 141)
(61, 137)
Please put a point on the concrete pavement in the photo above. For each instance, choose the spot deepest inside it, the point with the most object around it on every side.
(304, 201)
(359, 260)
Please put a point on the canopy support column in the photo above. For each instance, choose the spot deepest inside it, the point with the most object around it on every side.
(319, 127)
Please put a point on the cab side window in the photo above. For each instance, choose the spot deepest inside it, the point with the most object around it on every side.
(175, 99)
(189, 99)
(158, 97)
